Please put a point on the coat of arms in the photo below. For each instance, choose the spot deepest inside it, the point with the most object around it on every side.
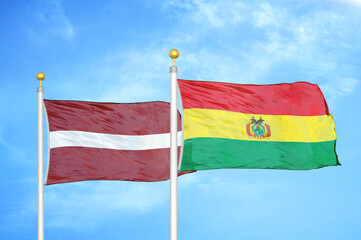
(257, 129)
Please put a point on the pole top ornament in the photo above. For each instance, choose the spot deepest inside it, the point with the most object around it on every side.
(173, 54)
(40, 76)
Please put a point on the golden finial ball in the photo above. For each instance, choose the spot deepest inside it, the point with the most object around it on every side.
(40, 76)
(173, 53)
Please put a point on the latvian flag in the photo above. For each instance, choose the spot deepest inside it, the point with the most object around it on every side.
(108, 141)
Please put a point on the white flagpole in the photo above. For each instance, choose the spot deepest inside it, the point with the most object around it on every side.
(40, 76)
(173, 148)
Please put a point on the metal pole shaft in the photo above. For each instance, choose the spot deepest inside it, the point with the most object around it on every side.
(40, 91)
(173, 155)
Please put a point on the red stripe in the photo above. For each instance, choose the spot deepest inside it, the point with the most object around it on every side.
(300, 98)
(72, 164)
(113, 118)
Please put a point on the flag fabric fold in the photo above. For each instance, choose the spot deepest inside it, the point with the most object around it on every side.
(108, 141)
(281, 126)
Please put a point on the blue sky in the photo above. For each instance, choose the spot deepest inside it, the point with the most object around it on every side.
(118, 51)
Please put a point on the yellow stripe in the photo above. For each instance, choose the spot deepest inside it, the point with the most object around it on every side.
(233, 125)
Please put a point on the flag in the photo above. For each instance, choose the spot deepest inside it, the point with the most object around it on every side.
(280, 126)
(108, 141)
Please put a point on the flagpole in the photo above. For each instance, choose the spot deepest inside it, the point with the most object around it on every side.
(173, 148)
(40, 76)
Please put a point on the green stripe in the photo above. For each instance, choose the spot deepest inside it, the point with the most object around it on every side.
(215, 153)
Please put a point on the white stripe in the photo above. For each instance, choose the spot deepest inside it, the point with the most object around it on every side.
(111, 141)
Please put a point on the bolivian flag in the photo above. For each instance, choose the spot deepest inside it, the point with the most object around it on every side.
(281, 126)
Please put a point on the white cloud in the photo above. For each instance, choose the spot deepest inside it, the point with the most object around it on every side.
(83, 205)
(338, 87)
(304, 35)
(311, 42)
(211, 13)
(305, 40)
(225, 186)
(53, 22)
(14, 152)
(348, 85)
(267, 16)
(352, 2)
(135, 75)
(123, 75)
